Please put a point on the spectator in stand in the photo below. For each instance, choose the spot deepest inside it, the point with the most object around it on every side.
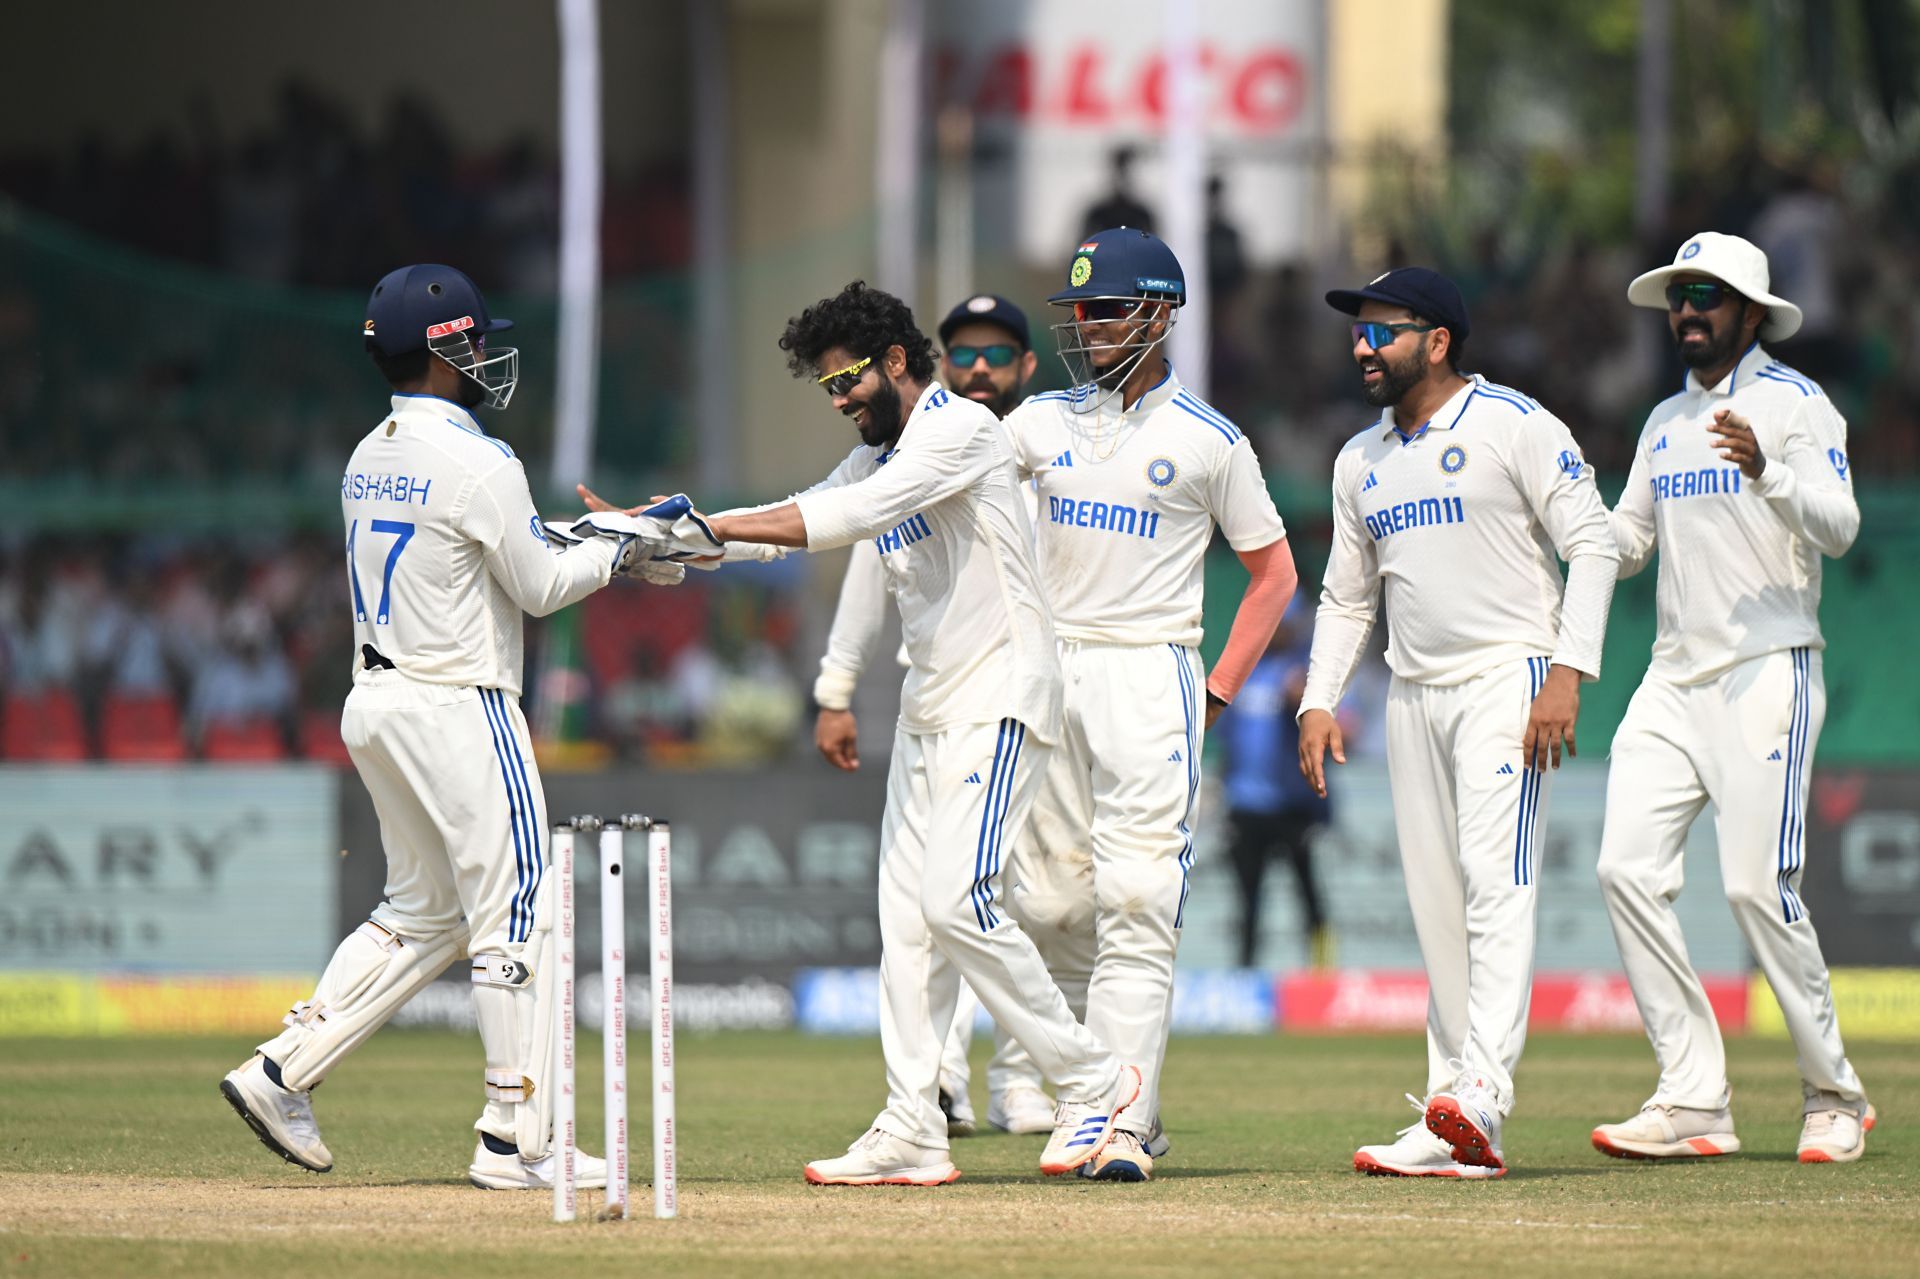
(1270, 806)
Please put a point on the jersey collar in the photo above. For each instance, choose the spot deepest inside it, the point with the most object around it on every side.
(1157, 394)
(458, 413)
(1444, 418)
(1751, 361)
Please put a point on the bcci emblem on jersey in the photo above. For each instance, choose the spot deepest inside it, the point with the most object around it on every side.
(1160, 472)
(1453, 460)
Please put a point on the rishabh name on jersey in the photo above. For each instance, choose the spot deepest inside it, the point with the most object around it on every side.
(1471, 578)
(435, 512)
(958, 561)
(1735, 582)
(1127, 505)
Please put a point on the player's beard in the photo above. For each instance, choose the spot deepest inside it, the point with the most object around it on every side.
(883, 416)
(1395, 380)
(472, 392)
(1715, 351)
(999, 401)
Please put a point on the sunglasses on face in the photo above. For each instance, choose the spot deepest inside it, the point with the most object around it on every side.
(1705, 295)
(998, 356)
(1378, 335)
(841, 381)
(1105, 310)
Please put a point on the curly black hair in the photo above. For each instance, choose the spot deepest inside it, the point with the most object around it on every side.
(859, 319)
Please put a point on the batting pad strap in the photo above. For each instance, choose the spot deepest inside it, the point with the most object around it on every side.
(498, 970)
(384, 938)
(508, 1085)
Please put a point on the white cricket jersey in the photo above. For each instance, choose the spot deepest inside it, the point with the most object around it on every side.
(1458, 524)
(1739, 558)
(445, 550)
(944, 510)
(1127, 505)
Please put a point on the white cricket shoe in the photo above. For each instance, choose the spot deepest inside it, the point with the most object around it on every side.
(492, 1170)
(881, 1159)
(1668, 1132)
(957, 1106)
(1157, 1143)
(1124, 1159)
(1467, 1117)
(1082, 1129)
(1835, 1130)
(1021, 1110)
(280, 1117)
(1416, 1152)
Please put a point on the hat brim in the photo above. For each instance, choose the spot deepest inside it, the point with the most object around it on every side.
(497, 326)
(1650, 290)
(953, 324)
(1349, 301)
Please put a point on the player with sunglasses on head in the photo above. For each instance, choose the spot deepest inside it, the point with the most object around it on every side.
(989, 360)
(1134, 472)
(1741, 482)
(1458, 504)
(933, 484)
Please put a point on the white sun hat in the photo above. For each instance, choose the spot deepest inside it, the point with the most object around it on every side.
(1732, 261)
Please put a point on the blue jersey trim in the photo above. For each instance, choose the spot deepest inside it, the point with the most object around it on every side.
(1207, 411)
(1789, 377)
(1506, 396)
(1226, 432)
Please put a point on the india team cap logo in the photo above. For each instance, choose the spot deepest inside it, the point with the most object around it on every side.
(1692, 250)
(1160, 472)
(1453, 460)
(981, 305)
(1081, 272)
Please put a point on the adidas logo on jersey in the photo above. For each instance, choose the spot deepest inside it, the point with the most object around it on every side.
(1065, 459)
(1372, 480)
(1660, 444)
(974, 780)
(1505, 770)
(1774, 756)
(1174, 758)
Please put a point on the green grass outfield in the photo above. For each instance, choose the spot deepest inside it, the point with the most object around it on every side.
(121, 1158)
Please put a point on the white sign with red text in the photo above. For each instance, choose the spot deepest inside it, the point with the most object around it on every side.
(1055, 86)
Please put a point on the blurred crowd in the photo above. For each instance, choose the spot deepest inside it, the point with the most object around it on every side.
(198, 648)
(1550, 316)
(317, 199)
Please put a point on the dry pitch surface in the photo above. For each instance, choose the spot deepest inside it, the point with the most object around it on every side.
(120, 1158)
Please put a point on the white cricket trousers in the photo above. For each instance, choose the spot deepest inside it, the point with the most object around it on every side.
(1102, 883)
(956, 800)
(463, 822)
(1468, 812)
(462, 814)
(1743, 742)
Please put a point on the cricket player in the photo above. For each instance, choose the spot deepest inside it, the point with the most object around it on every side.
(1741, 482)
(1134, 473)
(1456, 505)
(989, 359)
(444, 552)
(933, 484)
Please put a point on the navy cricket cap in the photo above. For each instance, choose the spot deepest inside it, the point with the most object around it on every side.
(409, 303)
(1427, 294)
(1123, 263)
(987, 308)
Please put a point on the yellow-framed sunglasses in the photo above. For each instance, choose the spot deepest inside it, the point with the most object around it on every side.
(841, 381)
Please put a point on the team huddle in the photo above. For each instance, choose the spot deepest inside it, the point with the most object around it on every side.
(1046, 557)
